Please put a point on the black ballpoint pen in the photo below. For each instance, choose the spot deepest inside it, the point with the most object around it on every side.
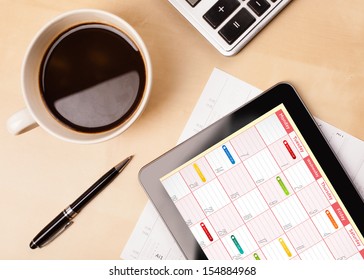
(64, 219)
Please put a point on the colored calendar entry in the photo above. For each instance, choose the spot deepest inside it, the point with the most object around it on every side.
(260, 194)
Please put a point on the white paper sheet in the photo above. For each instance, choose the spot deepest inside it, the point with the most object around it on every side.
(222, 94)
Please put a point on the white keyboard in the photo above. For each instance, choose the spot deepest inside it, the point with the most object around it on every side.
(229, 24)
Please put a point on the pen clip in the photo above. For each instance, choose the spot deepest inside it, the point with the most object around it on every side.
(57, 234)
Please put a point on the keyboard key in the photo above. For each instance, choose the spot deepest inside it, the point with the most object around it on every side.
(237, 26)
(193, 3)
(259, 6)
(220, 11)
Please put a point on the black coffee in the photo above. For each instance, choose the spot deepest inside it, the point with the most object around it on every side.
(92, 78)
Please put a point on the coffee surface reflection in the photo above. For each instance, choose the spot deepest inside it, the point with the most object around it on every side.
(92, 78)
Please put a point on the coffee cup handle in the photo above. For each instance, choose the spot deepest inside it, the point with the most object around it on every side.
(20, 122)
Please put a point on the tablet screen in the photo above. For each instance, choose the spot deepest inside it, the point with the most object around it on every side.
(260, 193)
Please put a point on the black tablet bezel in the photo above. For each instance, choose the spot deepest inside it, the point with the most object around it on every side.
(282, 93)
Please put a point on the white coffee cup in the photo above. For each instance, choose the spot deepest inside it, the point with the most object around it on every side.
(36, 112)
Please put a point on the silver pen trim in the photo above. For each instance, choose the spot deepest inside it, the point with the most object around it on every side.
(69, 213)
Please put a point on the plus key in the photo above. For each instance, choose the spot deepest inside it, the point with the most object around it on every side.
(220, 11)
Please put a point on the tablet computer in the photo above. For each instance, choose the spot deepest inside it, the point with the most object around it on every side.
(260, 183)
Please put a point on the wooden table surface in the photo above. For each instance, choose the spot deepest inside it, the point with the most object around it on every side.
(315, 45)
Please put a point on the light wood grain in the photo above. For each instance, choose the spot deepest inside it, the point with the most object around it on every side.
(315, 45)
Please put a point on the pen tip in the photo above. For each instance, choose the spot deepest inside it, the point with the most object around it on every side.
(123, 164)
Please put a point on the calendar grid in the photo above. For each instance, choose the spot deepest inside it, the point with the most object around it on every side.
(260, 195)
